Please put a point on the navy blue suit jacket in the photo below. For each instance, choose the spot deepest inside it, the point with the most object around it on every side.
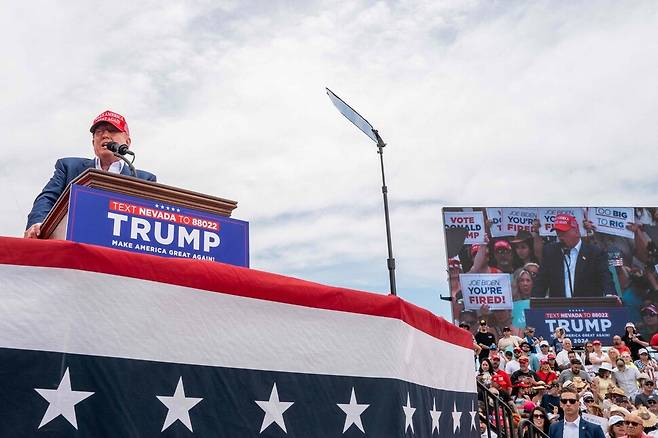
(587, 430)
(593, 279)
(66, 170)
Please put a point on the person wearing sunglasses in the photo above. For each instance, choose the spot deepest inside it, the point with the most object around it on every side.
(540, 419)
(646, 364)
(652, 404)
(591, 407)
(573, 426)
(626, 378)
(648, 390)
(597, 357)
(634, 426)
(616, 427)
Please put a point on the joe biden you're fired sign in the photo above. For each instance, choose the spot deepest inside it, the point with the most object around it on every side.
(139, 225)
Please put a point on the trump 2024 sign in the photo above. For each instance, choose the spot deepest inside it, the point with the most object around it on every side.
(139, 225)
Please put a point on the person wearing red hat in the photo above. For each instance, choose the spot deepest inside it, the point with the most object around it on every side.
(524, 373)
(107, 127)
(480, 257)
(500, 376)
(503, 256)
(571, 267)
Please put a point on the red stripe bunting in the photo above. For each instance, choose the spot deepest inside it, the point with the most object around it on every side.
(228, 279)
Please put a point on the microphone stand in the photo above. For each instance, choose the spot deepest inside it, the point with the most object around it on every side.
(567, 261)
(133, 172)
(390, 262)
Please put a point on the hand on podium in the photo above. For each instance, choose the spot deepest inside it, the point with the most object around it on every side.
(33, 232)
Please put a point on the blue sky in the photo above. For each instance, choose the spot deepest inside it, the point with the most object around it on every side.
(480, 102)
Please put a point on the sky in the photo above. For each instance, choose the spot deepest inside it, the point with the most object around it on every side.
(533, 103)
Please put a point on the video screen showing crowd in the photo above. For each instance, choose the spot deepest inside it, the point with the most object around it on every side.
(555, 253)
(588, 370)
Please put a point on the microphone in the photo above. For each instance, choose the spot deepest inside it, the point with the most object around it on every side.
(121, 149)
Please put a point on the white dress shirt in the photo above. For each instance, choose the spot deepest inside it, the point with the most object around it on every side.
(115, 167)
(512, 366)
(572, 257)
(571, 429)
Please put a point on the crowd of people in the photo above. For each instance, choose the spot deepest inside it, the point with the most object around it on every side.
(552, 384)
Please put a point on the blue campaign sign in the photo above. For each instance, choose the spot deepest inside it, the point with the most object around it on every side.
(581, 324)
(140, 225)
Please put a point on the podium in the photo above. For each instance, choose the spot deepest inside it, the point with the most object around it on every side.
(132, 214)
(583, 319)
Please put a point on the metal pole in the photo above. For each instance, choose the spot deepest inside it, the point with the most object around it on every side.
(390, 262)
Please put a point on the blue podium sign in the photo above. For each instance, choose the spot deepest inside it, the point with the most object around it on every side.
(124, 222)
(581, 324)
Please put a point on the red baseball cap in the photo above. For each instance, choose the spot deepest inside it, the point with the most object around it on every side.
(502, 244)
(114, 119)
(564, 222)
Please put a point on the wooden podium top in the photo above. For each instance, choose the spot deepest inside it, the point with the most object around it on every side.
(140, 188)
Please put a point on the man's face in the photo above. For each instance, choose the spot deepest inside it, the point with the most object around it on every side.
(530, 332)
(569, 238)
(503, 257)
(569, 403)
(507, 333)
(567, 345)
(496, 362)
(633, 425)
(524, 364)
(104, 134)
(616, 340)
(483, 328)
(575, 368)
(621, 364)
(525, 348)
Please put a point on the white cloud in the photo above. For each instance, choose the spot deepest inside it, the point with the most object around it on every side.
(481, 103)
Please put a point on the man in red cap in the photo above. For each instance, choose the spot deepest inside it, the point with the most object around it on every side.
(107, 127)
(570, 267)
